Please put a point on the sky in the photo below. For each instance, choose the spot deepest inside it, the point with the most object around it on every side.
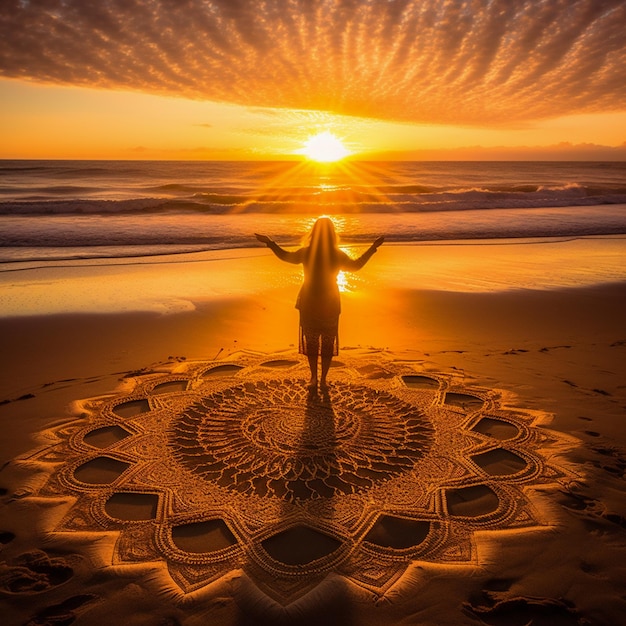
(243, 79)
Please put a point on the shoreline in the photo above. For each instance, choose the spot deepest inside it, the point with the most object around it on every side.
(184, 256)
(177, 283)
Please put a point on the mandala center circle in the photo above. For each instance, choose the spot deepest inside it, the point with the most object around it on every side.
(271, 439)
(300, 430)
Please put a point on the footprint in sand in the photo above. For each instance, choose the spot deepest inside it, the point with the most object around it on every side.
(492, 606)
(610, 459)
(61, 614)
(34, 572)
(523, 610)
(6, 536)
(592, 512)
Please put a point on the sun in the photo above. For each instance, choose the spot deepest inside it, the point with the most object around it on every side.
(324, 148)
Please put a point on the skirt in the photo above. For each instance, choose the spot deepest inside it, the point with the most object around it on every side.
(319, 336)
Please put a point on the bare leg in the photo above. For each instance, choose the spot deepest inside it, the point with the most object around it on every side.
(312, 349)
(313, 366)
(327, 357)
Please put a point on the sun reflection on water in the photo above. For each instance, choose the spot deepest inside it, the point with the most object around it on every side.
(342, 282)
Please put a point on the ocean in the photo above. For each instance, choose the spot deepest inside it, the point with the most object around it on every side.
(65, 210)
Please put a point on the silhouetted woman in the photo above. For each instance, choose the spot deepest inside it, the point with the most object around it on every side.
(318, 300)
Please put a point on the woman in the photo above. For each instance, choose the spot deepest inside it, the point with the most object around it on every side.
(318, 300)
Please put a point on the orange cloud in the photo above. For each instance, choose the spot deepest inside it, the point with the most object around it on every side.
(478, 62)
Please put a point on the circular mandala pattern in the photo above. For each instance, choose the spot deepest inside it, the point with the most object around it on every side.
(273, 439)
(217, 466)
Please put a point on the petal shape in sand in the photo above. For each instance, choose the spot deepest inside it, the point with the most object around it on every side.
(496, 428)
(500, 462)
(397, 532)
(203, 537)
(106, 436)
(132, 506)
(471, 501)
(170, 386)
(280, 363)
(463, 401)
(420, 382)
(103, 470)
(132, 407)
(228, 369)
(300, 545)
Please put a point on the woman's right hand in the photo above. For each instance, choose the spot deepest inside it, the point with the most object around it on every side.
(378, 243)
(263, 238)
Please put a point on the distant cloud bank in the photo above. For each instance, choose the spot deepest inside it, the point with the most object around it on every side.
(484, 62)
(558, 152)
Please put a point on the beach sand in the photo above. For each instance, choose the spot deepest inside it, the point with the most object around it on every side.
(533, 333)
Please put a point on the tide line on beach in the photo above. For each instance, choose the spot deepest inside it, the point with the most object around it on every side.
(171, 284)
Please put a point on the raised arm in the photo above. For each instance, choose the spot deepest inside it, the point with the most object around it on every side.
(357, 264)
(281, 253)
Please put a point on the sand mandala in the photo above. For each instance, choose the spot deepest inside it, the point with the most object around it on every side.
(210, 467)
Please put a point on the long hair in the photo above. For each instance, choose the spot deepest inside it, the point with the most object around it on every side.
(323, 251)
(323, 235)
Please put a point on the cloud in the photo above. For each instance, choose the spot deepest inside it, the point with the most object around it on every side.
(476, 62)
(564, 151)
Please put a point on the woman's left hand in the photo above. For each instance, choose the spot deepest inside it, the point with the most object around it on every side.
(263, 238)
(378, 243)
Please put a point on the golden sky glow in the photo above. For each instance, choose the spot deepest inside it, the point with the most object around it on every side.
(216, 79)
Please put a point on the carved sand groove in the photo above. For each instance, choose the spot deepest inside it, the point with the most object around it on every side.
(219, 465)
